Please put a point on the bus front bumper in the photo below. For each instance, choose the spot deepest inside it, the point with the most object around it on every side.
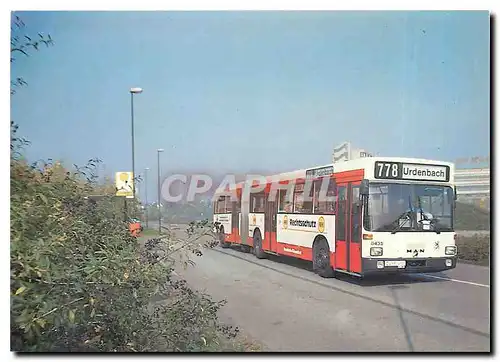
(414, 265)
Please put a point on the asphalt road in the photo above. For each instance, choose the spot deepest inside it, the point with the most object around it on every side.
(282, 304)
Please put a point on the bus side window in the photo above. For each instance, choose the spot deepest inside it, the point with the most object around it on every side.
(228, 205)
(301, 203)
(220, 205)
(284, 205)
(328, 205)
(257, 202)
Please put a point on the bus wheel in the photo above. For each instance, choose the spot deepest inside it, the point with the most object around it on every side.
(222, 241)
(245, 248)
(257, 246)
(321, 259)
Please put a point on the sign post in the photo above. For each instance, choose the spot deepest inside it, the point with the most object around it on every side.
(124, 183)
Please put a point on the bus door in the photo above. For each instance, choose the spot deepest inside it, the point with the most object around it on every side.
(270, 220)
(348, 228)
(341, 222)
(235, 221)
(354, 227)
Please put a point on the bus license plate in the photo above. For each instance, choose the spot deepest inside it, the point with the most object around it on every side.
(399, 263)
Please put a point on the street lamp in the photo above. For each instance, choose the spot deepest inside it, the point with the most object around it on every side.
(158, 151)
(132, 92)
(146, 191)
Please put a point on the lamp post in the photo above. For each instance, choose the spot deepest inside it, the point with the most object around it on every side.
(132, 92)
(158, 151)
(146, 193)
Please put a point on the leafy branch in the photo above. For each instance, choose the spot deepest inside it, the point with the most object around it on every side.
(21, 43)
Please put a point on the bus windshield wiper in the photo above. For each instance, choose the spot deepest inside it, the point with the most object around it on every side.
(424, 217)
(398, 227)
(406, 215)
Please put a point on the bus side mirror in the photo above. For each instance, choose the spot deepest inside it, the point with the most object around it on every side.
(364, 187)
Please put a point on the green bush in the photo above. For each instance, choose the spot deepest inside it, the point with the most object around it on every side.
(80, 282)
(475, 249)
(470, 217)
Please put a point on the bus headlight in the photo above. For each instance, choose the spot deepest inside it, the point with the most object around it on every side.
(450, 250)
(376, 251)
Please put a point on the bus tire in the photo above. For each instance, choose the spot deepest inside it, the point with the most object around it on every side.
(222, 237)
(257, 246)
(321, 259)
(245, 248)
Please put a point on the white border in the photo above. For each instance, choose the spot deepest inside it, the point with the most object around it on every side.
(189, 5)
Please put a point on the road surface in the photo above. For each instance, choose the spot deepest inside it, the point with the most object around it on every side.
(282, 304)
(288, 308)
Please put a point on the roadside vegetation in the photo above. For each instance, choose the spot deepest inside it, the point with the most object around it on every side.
(474, 249)
(470, 217)
(79, 282)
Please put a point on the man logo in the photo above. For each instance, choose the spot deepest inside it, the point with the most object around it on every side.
(321, 224)
(285, 222)
(415, 252)
(436, 245)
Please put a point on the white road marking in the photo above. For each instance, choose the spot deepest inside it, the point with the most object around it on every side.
(455, 280)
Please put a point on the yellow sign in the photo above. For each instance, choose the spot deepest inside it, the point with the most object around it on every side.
(254, 220)
(124, 183)
(321, 224)
(285, 222)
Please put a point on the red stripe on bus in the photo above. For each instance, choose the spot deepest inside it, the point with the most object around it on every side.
(349, 176)
(305, 252)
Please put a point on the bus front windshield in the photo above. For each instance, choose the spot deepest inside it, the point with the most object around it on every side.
(409, 207)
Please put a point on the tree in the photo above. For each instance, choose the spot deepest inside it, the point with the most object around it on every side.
(22, 44)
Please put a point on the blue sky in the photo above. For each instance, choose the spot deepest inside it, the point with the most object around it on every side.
(254, 90)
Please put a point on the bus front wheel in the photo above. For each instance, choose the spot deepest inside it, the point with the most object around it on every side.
(321, 259)
(257, 246)
(222, 238)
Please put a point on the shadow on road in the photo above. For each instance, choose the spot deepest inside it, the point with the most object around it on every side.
(400, 280)
(401, 317)
(367, 281)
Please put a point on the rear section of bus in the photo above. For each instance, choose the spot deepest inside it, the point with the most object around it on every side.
(408, 216)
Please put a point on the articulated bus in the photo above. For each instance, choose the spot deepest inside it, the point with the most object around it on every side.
(380, 215)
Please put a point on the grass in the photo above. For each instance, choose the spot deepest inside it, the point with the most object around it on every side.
(470, 217)
(149, 232)
(475, 249)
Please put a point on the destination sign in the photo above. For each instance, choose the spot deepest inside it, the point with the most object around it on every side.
(320, 171)
(411, 171)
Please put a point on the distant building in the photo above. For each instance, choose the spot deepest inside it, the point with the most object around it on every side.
(345, 152)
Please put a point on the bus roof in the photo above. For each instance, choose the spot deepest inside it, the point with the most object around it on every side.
(367, 164)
